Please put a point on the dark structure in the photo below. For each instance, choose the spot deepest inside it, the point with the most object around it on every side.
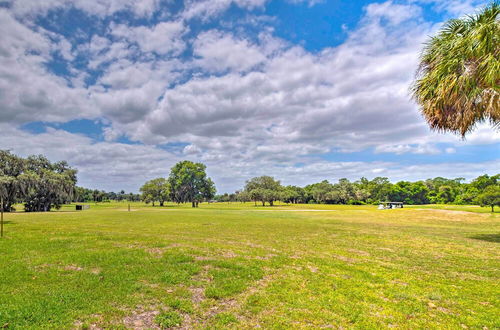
(80, 207)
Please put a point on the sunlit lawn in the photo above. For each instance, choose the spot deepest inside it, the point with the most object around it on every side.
(241, 266)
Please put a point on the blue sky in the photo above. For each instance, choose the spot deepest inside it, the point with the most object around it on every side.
(303, 90)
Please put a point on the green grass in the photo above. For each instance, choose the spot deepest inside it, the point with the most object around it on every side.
(240, 266)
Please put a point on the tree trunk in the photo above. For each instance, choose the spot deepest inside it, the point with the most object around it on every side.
(492, 208)
(263, 203)
(161, 203)
(192, 204)
(196, 203)
(271, 203)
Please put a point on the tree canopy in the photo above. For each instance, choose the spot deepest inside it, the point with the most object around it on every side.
(490, 197)
(35, 181)
(189, 183)
(264, 189)
(458, 80)
(156, 190)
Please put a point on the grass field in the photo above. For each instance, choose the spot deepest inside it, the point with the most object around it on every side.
(240, 266)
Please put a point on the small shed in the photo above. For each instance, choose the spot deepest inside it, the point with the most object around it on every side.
(390, 205)
(80, 207)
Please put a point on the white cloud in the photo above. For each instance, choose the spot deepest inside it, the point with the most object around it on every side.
(394, 13)
(205, 9)
(245, 106)
(400, 149)
(219, 52)
(23, 55)
(101, 8)
(310, 3)
(116, 166)
(163, 38)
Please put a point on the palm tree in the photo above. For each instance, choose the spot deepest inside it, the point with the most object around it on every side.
(457, 83)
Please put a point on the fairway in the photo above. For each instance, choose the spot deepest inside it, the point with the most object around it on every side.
(236, 266)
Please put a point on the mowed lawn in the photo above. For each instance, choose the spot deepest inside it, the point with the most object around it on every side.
(241, 266)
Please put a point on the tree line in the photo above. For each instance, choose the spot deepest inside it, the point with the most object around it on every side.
(35, 182)
(483, 190)
(94, 195)
(42, 185)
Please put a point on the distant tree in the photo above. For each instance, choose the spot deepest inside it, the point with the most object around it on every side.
(459, 73)
(243, 197)
(445, 195)
(484, 181)
(111, 196)
(319, 191)
(490, 197)
(467, 196)
(379, 189)
(189, 183)
(156, 190)
(11, 167)
(264, 189)
(292, 194)
(346, 190)
(409, 192)
(83, 195)
(44, 185)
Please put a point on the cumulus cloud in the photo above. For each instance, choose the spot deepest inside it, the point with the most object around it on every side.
(23, 56)
(163, 38)
(245, 105)
(219, 52)
(100, 8)
(206, 9)
(115, 166)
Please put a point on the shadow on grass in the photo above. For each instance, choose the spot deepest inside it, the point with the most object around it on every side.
(487, 237)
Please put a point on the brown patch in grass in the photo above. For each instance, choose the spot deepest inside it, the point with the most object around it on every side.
(202, 258)
(363, 253)
(141, 319)
(95, 271)
(399, 282)
(156, 251)
(313, 269)
(452, 212)
(229, 254)
(197, 295)
(346, 259)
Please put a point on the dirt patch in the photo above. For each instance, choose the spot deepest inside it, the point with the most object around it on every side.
(95, 271)
(450, 211)
(229, 254)
(346, 259)
(73, 268)
(313, 269)
(398, 282)
(266, 257)
(203, 258)
(197, 295)
(141, 319)
(362, 253)
(156, 251)
(306, 210)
